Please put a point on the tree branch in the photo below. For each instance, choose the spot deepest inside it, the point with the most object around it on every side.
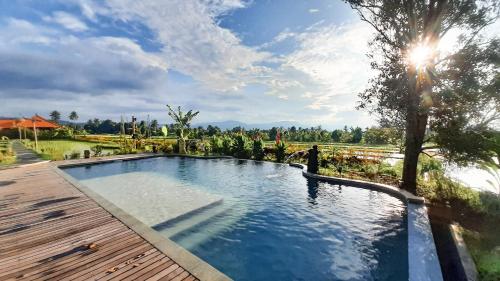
(365, 19)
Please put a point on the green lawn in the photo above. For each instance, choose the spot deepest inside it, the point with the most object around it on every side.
(58, 149)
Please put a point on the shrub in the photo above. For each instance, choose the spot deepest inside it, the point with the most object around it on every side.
(280, 151)
(216, 145)
(370, 170)
(242, 147)
(258, 149)
(324, 160)
(193, 145)
(166, 148)
(227, 145)
(428, 164)
(175, 147)
(59, 133)
(97, 150)
(74, 155)
(387, 170)
(443, 189)
(490, 203)
(207, 148)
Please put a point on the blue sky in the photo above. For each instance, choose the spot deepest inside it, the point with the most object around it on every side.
(252, 61)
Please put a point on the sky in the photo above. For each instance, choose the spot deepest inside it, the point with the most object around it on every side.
(254, 61)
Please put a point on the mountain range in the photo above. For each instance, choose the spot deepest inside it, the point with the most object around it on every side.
(229, 124)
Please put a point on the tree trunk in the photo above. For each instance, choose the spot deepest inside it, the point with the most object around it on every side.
(182, 142)
(416, 124)
(182, 146)
(415, 133)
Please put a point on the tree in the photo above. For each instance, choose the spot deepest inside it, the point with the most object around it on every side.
(55, 116)
(182, 123)
(213, 130)
(154, 127)
(258, 149)
(73, 116)
(380, 136)
(357, 135)
(453, 94)
(336, 135)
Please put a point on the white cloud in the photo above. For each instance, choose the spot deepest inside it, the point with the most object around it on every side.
(334, 58)
(312, 11)
(193, 42)
(68, 21)
(307, 95)
(319, 79)
(56, 62)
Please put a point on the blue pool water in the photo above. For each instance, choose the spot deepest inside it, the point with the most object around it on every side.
(272, 224)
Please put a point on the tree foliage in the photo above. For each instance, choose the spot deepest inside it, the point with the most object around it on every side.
(452, 100)
(55, 116)
(73, 116)
(182, 123)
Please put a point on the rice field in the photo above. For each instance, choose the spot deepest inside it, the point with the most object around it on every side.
(62, 149)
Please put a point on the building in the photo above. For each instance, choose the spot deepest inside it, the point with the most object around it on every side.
(12, 127)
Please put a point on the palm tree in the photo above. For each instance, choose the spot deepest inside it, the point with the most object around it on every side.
(55, 116)
(154, 127)
(182, 122)
(73, 116)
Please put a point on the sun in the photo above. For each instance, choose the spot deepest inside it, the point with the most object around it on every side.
(420, 55)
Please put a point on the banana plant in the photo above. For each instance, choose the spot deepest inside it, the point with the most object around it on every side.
(182, 123)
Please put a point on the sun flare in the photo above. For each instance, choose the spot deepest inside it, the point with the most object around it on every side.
(420, 55)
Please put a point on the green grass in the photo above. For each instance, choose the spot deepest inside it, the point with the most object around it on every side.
(484, 248)
(7, 156)
(57, 149)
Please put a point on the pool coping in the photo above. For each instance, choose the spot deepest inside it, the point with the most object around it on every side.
(190, 262)
(392, 190)
(464, 256)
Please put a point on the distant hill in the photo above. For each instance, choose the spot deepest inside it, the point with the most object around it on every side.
(263, 126)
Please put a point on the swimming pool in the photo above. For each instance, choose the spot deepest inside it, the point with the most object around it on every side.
(258, 220)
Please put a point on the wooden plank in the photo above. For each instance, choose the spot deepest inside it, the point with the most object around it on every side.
(173, 274)
(181, 276)
(155, 271)
(164, 273)
(46, 250)
(57, 260)
(116, 265)
(48, 230)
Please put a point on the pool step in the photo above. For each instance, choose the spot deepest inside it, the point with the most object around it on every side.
(177, 226)
(199, 233)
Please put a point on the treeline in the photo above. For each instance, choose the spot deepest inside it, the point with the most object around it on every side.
(372, 135)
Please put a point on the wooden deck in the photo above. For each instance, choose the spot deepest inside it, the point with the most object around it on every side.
(49, 230)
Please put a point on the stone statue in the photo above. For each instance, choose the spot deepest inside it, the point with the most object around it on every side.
(312, 160)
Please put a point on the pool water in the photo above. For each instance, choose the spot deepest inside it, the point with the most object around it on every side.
(271, 224)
